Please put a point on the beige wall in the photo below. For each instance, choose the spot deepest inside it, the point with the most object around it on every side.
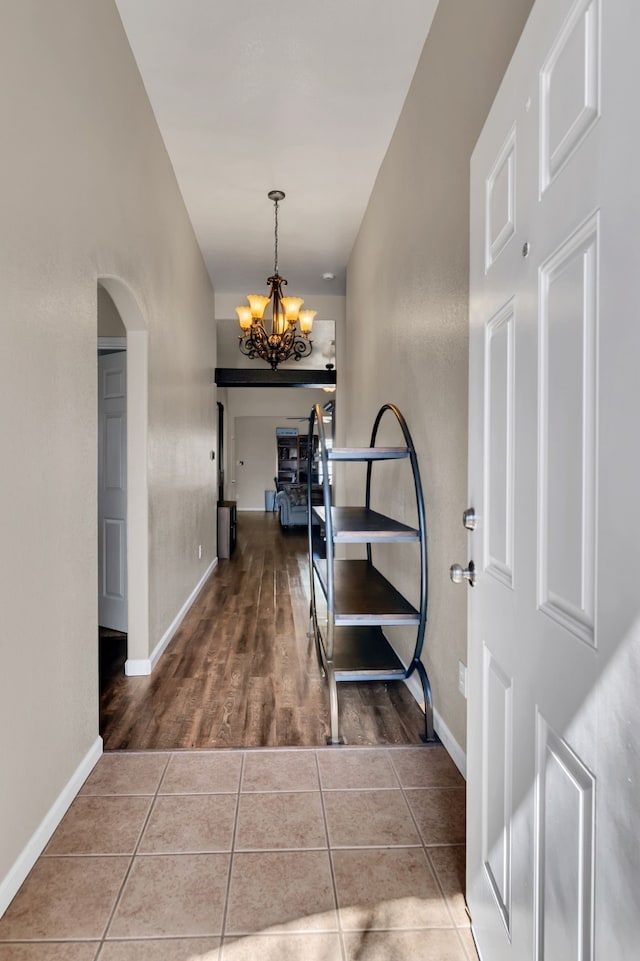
(86, 192)
(407, 291)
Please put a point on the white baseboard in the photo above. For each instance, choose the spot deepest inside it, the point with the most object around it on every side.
(458, 756)
(138, 667)
(34, 847)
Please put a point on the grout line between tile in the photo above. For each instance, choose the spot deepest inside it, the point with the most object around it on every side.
(440, 887)
(444, 844)
(428, 859)
(360, 790)
(288, 790)
(393, 768)
(274, 850)
(232, 853)
(413, 818)
(132, 859)
(343, 947)
(437, 787)
(405, 927)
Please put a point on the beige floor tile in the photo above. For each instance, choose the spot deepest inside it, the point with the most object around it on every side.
(385, 888)
(341, 769)
(100, 825)
(439, 813)
(280, 771)
(50, 951)
(449, 864)
(268, 821)
(281, 888)
(425, 767)
(177, 896)
(168, 949)
(126, 774)
(203, 773)
(430, 945)
(65, 898)
(365, 818)
(190, 823)
(284, 947)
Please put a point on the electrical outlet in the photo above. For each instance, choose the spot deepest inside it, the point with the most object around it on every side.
(199, 552)
(462, 678)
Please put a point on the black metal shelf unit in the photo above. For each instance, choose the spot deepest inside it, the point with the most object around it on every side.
(360, 601)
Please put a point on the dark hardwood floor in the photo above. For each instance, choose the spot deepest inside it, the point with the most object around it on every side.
(241, 671)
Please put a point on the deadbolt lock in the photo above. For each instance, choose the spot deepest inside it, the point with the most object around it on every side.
(470, 519)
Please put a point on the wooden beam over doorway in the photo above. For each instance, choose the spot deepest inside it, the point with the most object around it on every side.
(287, 377)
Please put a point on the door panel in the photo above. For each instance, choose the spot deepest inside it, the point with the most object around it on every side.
(500, 225)
(112, 491)
(499, 464)
(567, 388)
(569, 89)
(498, 777)
(565, 821)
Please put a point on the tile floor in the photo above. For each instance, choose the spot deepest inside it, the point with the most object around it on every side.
(334, 854)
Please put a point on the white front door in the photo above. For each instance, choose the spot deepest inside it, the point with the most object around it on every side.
(553, 867)
(112, 491)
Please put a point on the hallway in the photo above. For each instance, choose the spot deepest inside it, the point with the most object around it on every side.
(241, 671)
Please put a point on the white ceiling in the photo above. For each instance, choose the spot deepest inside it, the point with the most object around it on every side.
(299, 95)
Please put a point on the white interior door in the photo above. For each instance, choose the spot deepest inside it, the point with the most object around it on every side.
(554, 637)
(112, 491)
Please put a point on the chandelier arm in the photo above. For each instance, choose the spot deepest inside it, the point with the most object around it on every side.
(255, 341)
(256, 344)
(302, 347)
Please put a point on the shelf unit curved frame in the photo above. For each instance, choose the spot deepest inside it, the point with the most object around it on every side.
(360, 632)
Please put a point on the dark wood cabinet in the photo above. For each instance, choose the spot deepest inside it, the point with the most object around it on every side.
(227, 523)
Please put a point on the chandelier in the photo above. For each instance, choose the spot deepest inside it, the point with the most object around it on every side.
(284, 340)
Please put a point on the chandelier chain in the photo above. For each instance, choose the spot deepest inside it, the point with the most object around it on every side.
(275, 266)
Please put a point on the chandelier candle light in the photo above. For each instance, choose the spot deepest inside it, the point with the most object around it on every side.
(285, 340)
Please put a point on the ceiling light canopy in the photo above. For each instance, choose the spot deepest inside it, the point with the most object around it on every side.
(285, 339)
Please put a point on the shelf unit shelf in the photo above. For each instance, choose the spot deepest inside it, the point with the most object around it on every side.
(363, 596)
(367, 453)
(357, 525)
(362, 652)
(360, 601)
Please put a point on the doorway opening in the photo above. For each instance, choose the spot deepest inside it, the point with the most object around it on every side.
(122, 539)
(112, 496)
